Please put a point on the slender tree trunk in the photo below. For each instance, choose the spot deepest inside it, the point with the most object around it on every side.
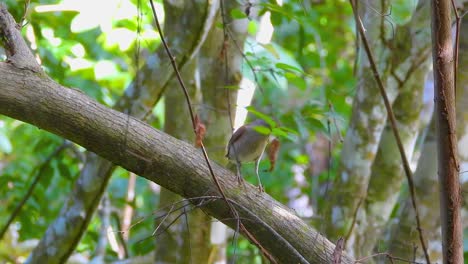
(444, 96)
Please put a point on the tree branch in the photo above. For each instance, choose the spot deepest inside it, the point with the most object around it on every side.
(16, 49)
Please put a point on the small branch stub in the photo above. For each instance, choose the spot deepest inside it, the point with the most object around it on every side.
(17, 51)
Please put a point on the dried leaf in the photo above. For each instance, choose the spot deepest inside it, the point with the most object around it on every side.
(200, 131)
(273, 153)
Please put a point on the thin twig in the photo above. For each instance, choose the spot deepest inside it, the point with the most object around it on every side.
(332, 110)
(205, 155)
(393, 123)
(389, 256)
(356, 211)
(164, 219)
(185, 211)
(210, 198)
(26, 8)
(156, 233)
(187, 202)
(203, 202)
(329, 163)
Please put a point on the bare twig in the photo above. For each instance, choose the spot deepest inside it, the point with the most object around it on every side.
(330, 160)
(389, 257)
(164, 219)
(356, 211)
(332, 110)
(204, 200)
(388, 107)
(18, 53)
(26, 8)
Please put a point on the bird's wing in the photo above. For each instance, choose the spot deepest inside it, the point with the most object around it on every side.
(237, 134)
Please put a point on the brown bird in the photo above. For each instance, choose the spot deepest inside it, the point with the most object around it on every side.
(247, 145)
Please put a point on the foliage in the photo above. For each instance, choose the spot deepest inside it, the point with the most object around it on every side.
(305, 86)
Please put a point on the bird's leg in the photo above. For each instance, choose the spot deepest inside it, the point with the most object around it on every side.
(260, 186)
(240, 180)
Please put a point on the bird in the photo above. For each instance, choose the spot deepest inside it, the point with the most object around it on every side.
(247, 144)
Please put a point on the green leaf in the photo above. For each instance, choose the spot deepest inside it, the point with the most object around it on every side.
(65, 171)
(279, 132)
(302, 159)
(284, 132)
(296, 81)
(270, 48)
(219, 25)
(252, 28)
(267, 119)
(47, 175)
(238, 14)
(287, 67)
(262, 130)
(315, 124)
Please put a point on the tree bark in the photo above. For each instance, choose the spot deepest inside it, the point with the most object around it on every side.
(444, 96)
